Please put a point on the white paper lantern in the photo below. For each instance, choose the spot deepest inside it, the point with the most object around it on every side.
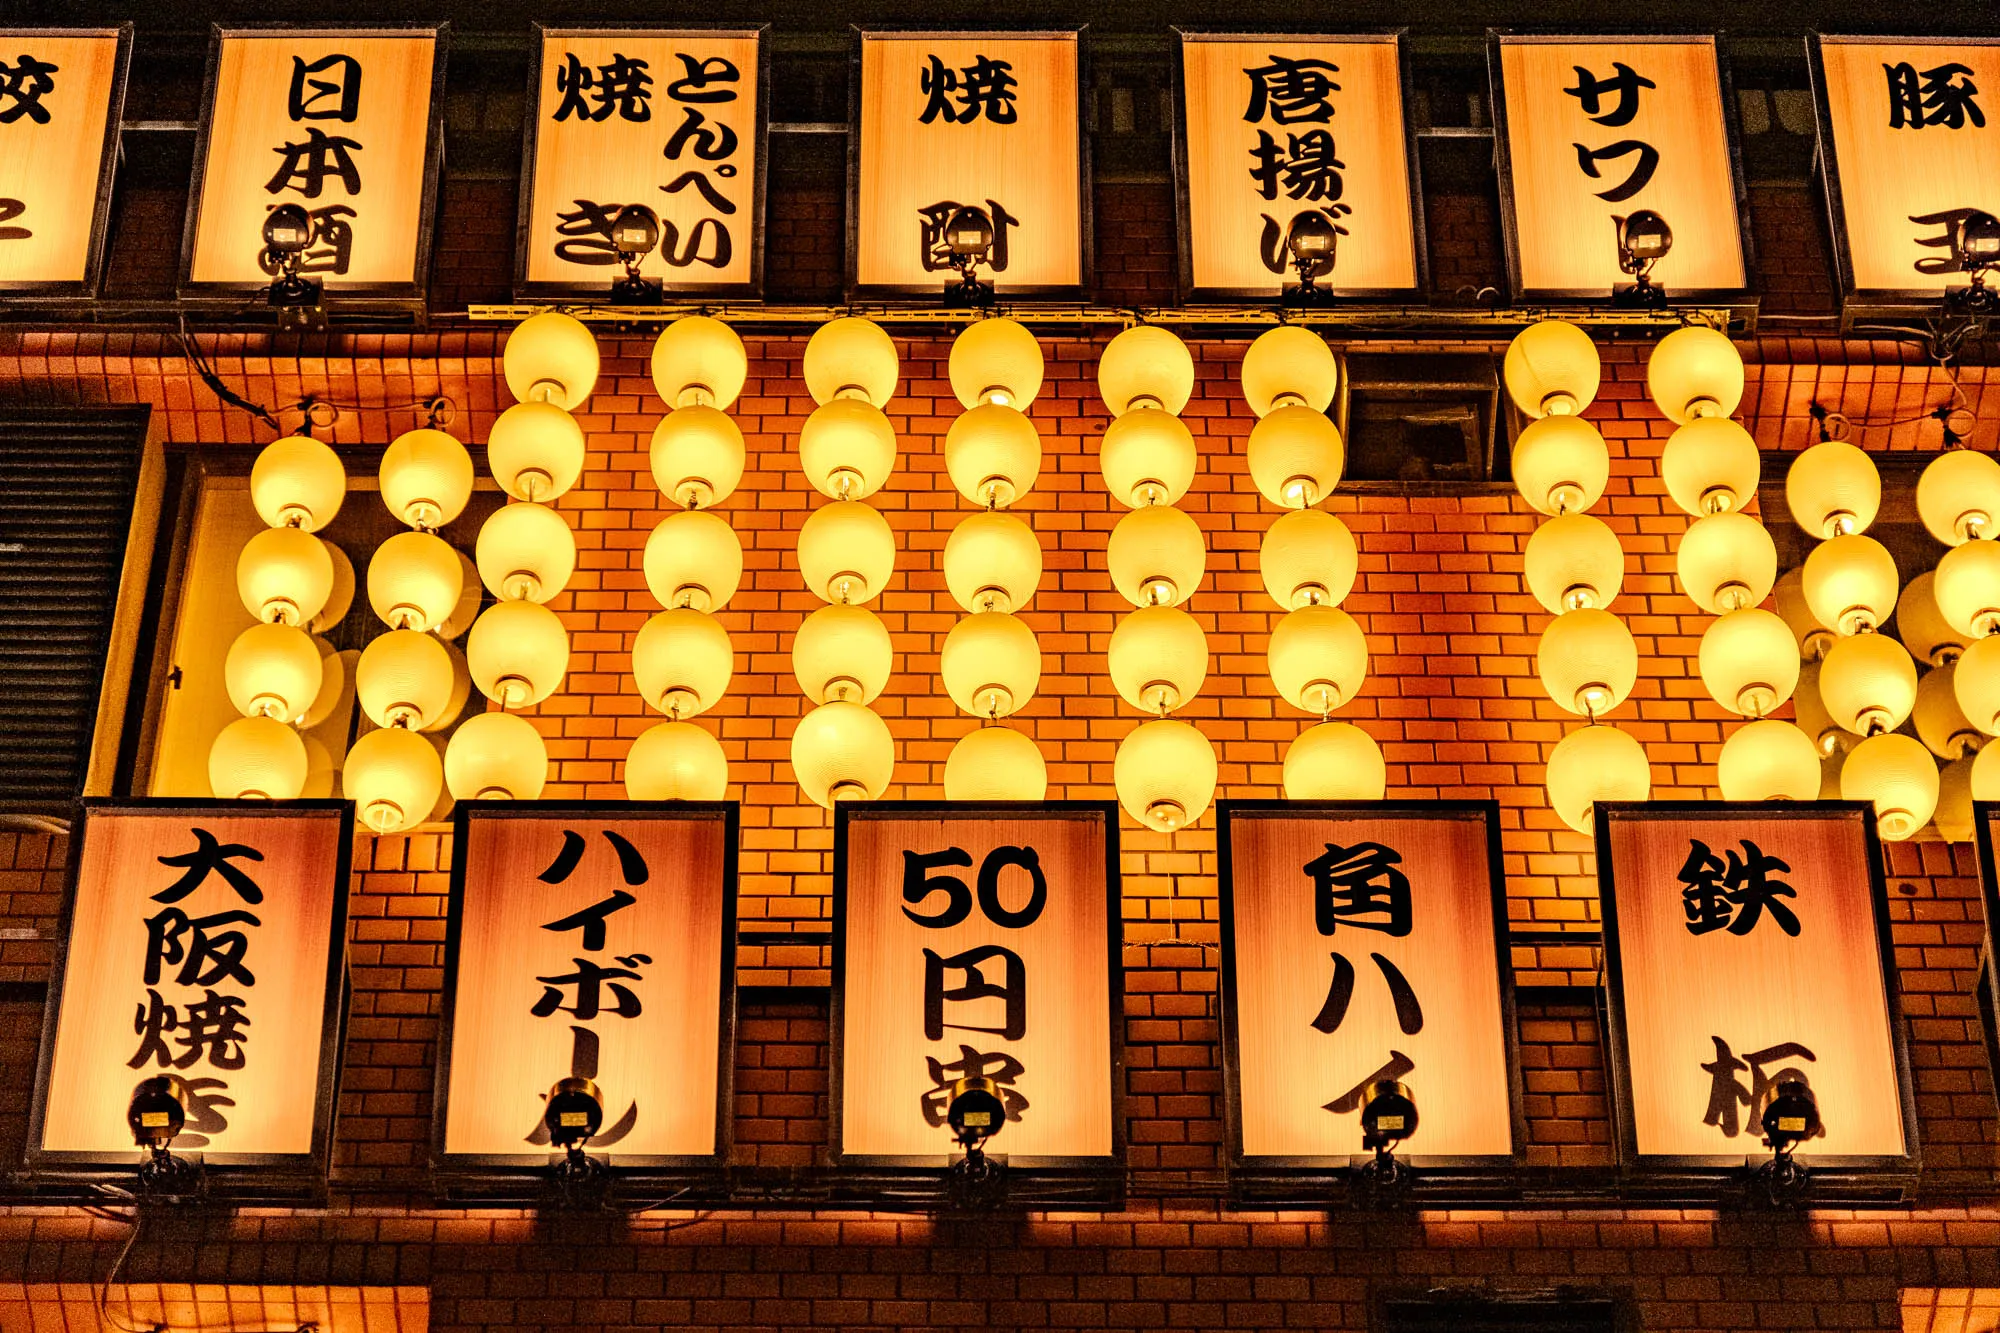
(995, 764)
(1165, 774)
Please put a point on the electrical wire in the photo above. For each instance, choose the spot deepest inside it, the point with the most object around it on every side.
(104, 1315)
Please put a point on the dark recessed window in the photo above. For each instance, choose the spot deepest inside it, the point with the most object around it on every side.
(1423, 419)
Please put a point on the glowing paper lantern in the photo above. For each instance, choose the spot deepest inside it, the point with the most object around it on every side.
(272, 671)
(394, 778)
(1318, 658)
(1726, 562)
(995, 764)
(991, 664)
(848, 449)
(1158, 658)
(1749, 661)
(414, 580)
(1710, 466)
(697, 456)
(1157, 556)
(551, 357)
(1967, 588)
(1813, 638)
(1850, 583)
(340, 597)
(297, 482)
(496, 757)
(1922, 626)
(518, 653)
(683, 662)
(846, 552)
(1868, 683)
(842, 752)
(1552, 369)
(996, 360)
(1296, 456)
(1975, 679)
(1308, 558)
(403, 679)
(992, 562)
(1561, 465)
(699, 361)
(676, 761)
(1958, 496)
(993, 454)
(525, 550)
(1813, 718)
(1574, 563)
(1335, 761)
(1165, 774)
(1147, 457)
(1289, 366)
(1833, 489)
(1768, 760)
(1898, 777)
(1145, 366)
(284, 575)
(851, 358)
(1941, 724)
(535, 451)
(426, 478)
(693, 559)
(1695, 372)
(257, 759)
(1593, 764)
(1587, 661)
(843, 653)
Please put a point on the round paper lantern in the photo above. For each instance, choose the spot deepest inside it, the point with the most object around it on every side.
(1710, 466)
(394, 778)
(1158, 658)
(996, 360)
(319, 772)
(1561, 465)
(676, 761)
(848, 448)
(993, 454)
(1695, 372)
(471, 596)
(851, 358)
(697, 455)
(257, 759)
(1157, 556)
(1789, 596)
(525, 550)
(1145, 366)
(1574, 563)
(1749, 661)
(1986, 774)
(535, 451)
(1551, 369)
(414, 580)
(332, 684)
(1975, 678)
(1593, 764)
(1289, 366)
(272, 671)
(1768, 760)
(1318, 658)
(1813, 718)
(426, 478)
(284, 575)
(995, 764)
(842, 752)
(1922, 626)
(843, 653)
(1898, 777)
(1850, 583)
(683, 662)
(340, 596)
(698, 360)
(1967, 588)
(1296, 456)
(551, 357)
(846, 552)
(1941, 724)
(693, 559)
(1147, 457)
(496, 757)
(1588, 661)
(1867, 683)
(1335, 761)
(297, 482)
(1164, 774)
(1833, 489)
(1953, 816)
(991, 664)
(1958, 496)
(403, 679)
(1728, 561)
(992, 562)
(1308, 559)
(518, 653)
(461, 687)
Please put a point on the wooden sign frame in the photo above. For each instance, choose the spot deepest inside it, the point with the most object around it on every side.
(1835, 1179)
(752, 290)
(514, 1177)
(107, 171)
(248, 1177)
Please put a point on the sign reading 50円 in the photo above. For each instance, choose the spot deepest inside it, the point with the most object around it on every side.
(61, 95)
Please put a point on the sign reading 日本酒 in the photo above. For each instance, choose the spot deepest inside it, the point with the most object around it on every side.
(595, 941)
(976, 941)
(982, 120)
(1746, 945)
(341, 122)
(1365, 942)
(1592, 129)
(1276, 126)
(206, 944)
(62, 92)
(672, 119)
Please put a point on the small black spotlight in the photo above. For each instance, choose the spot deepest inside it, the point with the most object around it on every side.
(156, 1115)
(635, 232)
(1311, 240)
(1388, 1116)
(968, 235)
(975, 1113)
(1790, 1116)
(1975, 244)
(573, 1115)
(1644, 238)
(289, 232)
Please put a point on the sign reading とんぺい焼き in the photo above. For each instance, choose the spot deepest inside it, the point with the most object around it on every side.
(204, 944)
(1273, 127)
(343, 123)
(592, 941)
(1746, 946)
(672, 119)
(1593, 129)
(62, 93)
(953, 120)
(976, 942)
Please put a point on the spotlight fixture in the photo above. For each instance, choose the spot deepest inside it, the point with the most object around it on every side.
(156, 1115)
(1644, 238)
(289, 232)
(635, 232)
(574, 1113)
(1790, 1117)
(1310, 240)
(968, 235)
(1975, 244)
(975, 1114)
(1388, 1116)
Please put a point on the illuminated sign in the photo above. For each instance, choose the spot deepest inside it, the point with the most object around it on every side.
(62, 92)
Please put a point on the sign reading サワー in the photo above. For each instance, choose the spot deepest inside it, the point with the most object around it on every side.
(204, 944)
(596, 941)
(976, 942)
(342, 122)
(1362, 942)
(669, 118)
(968, 120)
(1593, 129)
(1748, 945)
(1272, 127)
(62, 92)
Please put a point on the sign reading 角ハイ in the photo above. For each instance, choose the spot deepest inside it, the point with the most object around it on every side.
(342, 122)
(671, 119)
(62, 92)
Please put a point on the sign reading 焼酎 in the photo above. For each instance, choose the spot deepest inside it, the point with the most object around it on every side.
(62, 92)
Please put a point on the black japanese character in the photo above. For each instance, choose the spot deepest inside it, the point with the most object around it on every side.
(1394, 1069)
(1011, 990)
(1735, 895)
(699, 180)
(1271, 246)
(591, 980)
(623, 87)
(307, 165)
(1360, 887)
(937, 250)
(1625, 82)
(1726, 1092)
(203, 1099)
(1945, 95)
(583, 1064)
(708, 242)
(590, 920)
(584, 234)
(1001, 1067)
(23, 85)
(697, 75)
(1340, 992)
(1947, 222)
(341, 82)
(631, 864)
(712, 141)
(985, 87)
(205, 952)
(9, 210)
(1291, 91)
(1636, 180)
(1306, 168)
(152, 1019)
(212, 1026)
(211, 857)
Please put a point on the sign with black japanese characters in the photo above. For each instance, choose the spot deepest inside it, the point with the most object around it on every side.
(204, 944)
(975, 942)
(1909, 153)
(1364, 942)
(341, 122)
(671, 119)
(1747, 945)
(61, 95)
(595, 941)
(1272, 127)
(1593, 129)
(980, 120)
